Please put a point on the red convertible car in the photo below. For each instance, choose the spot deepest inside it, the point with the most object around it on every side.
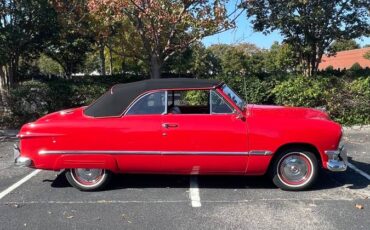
(182, 126)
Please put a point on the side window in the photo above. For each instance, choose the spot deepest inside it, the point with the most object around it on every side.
(153, 103)
(218, 104)
(188, 102)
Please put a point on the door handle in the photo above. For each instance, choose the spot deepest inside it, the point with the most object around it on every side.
(168, 125)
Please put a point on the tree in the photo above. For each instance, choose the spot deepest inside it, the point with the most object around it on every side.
(196, 61)
(367, 55)
(165, 27)
(48, 66)
(342, 45)
(74, 39)
(311, 26)
(281, 59)
(242, 59)
(26, 26)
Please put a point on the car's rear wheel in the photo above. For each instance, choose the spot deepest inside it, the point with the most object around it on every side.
(88, 179)
(294, 170)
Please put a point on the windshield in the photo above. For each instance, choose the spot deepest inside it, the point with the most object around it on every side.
(233, 96)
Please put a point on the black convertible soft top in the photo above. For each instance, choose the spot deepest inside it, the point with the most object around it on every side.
(115, 101)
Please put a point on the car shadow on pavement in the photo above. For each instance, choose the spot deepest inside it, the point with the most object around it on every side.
(351, 179)
(326, 180)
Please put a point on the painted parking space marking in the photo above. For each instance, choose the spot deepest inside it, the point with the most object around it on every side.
(359, 171)
(56, 202)
(194, 193)
(19, 183)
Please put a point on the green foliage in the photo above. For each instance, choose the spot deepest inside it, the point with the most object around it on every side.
(342, 45)
(301, 91)
(33, 99)
(25, 29)
(240, 59)
(74, 39)
(164, 28)
(367, 54)
(311, 26)
(233, 60)
(349, 102)
(356, 67)
(195, 61)
(281, 59)
(30, 100)
(252, 89)
(84, 94)
(48, 66)
(197, 97)
(346, 100)
(329, 68)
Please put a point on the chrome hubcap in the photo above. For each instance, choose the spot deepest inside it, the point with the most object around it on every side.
(88, 176)
(295, 169)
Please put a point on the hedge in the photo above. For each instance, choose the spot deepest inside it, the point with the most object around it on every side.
(347, 100)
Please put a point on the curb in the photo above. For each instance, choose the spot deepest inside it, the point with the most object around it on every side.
(357, 127)
(9, 132)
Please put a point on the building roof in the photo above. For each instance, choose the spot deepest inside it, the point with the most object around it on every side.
(345, 59)
(119, 97)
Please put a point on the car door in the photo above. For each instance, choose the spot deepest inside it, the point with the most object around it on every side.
(139, 134)
(200, 141)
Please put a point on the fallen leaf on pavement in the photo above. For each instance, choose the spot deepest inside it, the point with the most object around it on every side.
(359, 206)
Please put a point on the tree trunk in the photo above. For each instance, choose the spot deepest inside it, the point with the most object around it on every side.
(3, 78)
(68, 70)
(306, 67)
(313, 66)
(155, 67)
(12, 71)
(102, 57)
(110, 60)
(11, 74)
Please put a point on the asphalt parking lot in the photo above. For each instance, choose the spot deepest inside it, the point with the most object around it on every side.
(46, 201)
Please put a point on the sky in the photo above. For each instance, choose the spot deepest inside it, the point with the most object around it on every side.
(244, 33)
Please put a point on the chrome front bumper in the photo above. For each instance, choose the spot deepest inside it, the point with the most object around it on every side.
(19, 160)
(337, 159)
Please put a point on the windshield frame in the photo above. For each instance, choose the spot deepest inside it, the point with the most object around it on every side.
(230, 93)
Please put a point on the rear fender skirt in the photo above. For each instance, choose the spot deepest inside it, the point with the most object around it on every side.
(86, 161)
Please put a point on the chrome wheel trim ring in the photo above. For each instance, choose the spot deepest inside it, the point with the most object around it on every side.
(289, 163)
(88, 177)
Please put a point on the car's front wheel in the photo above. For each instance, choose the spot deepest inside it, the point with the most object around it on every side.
(88, 179)
(294, 170)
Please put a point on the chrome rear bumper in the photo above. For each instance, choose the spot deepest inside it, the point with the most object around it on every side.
(19, 160)
(337, 159)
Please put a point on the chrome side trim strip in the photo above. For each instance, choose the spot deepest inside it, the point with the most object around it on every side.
(202, 153)
(51, 152)
(260, 153)
(48, 152)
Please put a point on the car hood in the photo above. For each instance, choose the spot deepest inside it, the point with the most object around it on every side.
(286, 112)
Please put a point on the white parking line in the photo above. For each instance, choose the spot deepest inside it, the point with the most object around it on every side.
(362, 173)
(180, 201)
(19, 183)
(194, 192)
